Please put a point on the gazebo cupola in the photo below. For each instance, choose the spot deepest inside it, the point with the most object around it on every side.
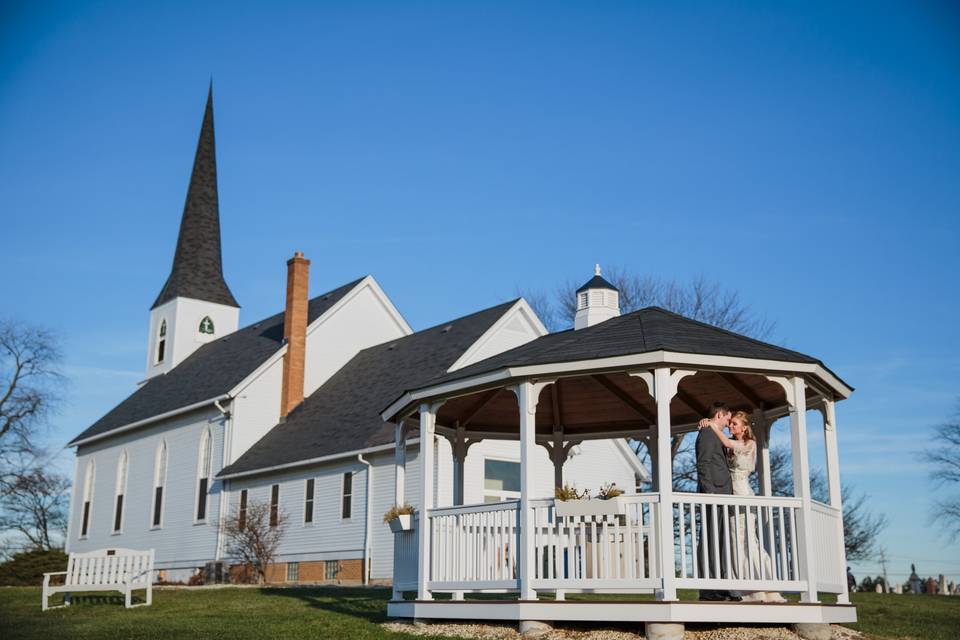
(597, 300)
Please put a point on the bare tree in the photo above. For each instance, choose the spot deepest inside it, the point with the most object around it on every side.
(253, 536)
(944, 460)
(30, 386)
(699, 299)
(33, 503)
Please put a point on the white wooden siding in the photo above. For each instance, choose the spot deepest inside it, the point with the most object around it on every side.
(180, 542)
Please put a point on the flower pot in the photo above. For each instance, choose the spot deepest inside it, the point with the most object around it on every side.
(588, 508)
(403, 522)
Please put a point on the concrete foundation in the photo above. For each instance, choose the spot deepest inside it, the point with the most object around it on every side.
(534, 628)
(663, 631)
(809, 631)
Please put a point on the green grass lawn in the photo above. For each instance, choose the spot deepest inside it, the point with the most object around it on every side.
(334, 613)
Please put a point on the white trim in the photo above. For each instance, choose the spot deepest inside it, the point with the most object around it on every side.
(145, 421)
(626, 363)
(321, 459)
(627, 451)
(521, 307)
(73, 495)
(279, 486)
(206, 443)
(159, 482)
(120, 489)
(644, 611)
(341, 496)
(89, 482)
(313, 501)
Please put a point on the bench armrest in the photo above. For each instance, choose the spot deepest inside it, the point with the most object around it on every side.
(55, 573)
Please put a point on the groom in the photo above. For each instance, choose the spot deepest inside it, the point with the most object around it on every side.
(713, 476)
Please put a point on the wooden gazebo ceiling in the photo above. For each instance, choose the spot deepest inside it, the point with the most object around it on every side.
(609, 402)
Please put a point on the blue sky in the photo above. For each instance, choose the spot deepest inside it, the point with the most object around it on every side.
(803, 154)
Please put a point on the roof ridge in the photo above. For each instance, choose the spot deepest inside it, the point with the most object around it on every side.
(721, 330)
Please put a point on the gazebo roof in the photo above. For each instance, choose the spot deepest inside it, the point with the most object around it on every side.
(646, 331)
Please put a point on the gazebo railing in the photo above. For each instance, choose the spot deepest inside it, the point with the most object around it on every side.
(748, 543)
(752, 543)
(602, 552)
(474, 547)
(827, 531)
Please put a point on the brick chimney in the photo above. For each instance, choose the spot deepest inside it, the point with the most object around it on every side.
(294, 333)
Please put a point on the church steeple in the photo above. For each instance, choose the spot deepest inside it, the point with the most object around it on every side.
(195, 305)
(197, 270)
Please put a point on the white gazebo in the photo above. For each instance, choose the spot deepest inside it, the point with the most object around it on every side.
(645, 375)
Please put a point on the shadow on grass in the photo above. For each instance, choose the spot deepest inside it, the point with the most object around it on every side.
(366, 603)
(95, 599)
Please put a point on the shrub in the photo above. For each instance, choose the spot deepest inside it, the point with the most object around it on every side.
(26, 569)
(566, 492)
(608, 491)
(396, 511)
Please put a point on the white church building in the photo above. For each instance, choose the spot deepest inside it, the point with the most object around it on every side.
(287, 410)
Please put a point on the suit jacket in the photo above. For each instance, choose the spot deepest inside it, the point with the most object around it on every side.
(713, 474)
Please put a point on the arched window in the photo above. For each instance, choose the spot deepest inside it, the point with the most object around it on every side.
(203, 473)
(206, 325)
(162, 341)
(121, 490)
(88, 479)
(159, 479)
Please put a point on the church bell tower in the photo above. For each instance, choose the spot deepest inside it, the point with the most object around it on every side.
(195, 305)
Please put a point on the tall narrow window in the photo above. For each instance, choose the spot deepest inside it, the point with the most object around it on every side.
(87, 497)
(242, 511)
(203, 474)
(162, 341)
(346, 502)
(159, 479)
(121, 490)
(274, 505)
(308, 502)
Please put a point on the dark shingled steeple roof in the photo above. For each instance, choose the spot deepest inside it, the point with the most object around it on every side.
(197, 269)
(597, 282)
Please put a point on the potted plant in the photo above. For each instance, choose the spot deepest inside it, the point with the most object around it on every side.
(399, 517)
(570, 502)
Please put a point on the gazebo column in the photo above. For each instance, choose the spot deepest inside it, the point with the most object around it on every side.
(801, 483)
(763, 424)
(528, 394)
(428, 422)
(400, 462)
(459, 444)
(665, 384)
(833, 480)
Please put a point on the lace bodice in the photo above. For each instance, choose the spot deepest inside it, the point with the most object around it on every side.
(742, 459)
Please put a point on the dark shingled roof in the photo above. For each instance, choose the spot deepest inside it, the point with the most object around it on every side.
(344, 413)
(650, 329)
(210, 371)
(597, 282)
(197, 268)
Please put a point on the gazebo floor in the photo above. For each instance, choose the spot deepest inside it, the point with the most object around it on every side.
(623, 611)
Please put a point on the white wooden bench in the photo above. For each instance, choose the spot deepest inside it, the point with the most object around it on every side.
(123, 570)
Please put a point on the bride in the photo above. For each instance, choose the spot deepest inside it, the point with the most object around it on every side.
(742, 460)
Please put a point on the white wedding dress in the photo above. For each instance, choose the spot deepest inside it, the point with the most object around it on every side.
(742, 460)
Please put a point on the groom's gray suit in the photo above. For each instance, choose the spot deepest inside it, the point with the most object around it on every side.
(713, 476)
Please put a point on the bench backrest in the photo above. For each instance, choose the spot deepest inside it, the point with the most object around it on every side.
(110, 566)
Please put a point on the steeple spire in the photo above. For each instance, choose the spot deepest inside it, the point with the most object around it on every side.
(197, 270)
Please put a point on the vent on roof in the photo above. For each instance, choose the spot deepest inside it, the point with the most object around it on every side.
(390, 348)
(446, 329)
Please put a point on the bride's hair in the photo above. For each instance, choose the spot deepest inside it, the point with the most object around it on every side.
(744, 418)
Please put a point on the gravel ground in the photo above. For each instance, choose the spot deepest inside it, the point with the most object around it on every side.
(509, 632)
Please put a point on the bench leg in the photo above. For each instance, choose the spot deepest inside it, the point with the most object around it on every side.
(127, 599)
(149, 593)
(43, 604)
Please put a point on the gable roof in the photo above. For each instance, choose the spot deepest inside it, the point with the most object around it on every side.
(647, 330)
(209, 372)
(197, 270)
(344, 413)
